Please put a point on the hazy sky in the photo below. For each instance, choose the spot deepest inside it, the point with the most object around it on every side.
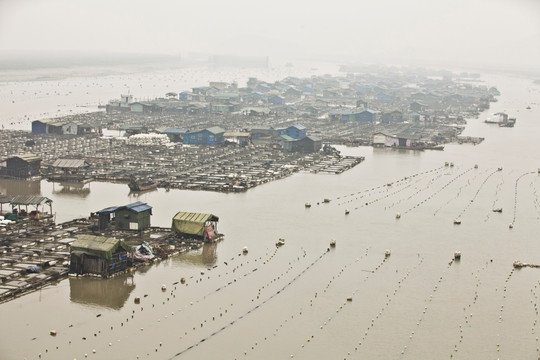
(478, 32)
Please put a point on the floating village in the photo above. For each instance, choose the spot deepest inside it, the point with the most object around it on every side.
(218, 137)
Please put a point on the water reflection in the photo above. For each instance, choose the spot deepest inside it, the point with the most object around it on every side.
(207, 256)
(76, 189)
(14, 187)
(110, 293)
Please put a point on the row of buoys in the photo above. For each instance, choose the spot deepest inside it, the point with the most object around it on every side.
(301, 310)
(456, 257)
(437, 192)
(476, 194)
(516, 197)
(385, 196)
(163, 288)
(258, 306)
(387, 185)
(371, 325)
(468, 316)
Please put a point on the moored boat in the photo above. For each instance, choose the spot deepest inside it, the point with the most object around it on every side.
(135, 185)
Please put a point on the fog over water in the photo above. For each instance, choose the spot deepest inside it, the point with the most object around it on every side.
(479, 33)
(293, 301)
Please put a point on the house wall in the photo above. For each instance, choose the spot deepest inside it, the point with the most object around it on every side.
(365, 116)
(129, 220)
(296, 133)
(138, 108)
(69, 129)
(379, 139)
(16, 167)
(38, 127)
(203, 137)
(81, 263)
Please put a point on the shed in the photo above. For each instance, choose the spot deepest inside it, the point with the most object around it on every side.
(38, 202)
(367, 116)
(174, 134)
(21, 166)
(98, 255)
(239, 137)
(40, 126)
(276, 100)
(380, 139)
(308, 144)
(210, 136)
(296, 131)
(392, 116)
(198, 225)
(134, 216)
(69, 170)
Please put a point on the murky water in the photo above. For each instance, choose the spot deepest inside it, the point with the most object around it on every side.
(292, 301)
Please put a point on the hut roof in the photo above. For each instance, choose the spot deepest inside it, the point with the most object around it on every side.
(28, 157)
(30, 200)
(136, 207)
(69, 163)
(191, 223)
(100, 246)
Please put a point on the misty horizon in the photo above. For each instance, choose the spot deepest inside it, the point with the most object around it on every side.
(469, 34)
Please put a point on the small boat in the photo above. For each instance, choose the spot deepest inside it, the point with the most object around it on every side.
(280, 242)
(346, 212)
(245, 250)
(476, 166)
(308, 205)
(333, 243)
(326, 200)
(398, 216)
(499, 210)
(457, 255)
(457, 222)
(135, 185)
(528, 108)
(387, 253)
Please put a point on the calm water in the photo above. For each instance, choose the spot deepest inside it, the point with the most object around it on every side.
(272, 304)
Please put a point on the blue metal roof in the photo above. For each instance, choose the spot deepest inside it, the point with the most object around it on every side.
(135, 207)
(108, 210)
(138, 207)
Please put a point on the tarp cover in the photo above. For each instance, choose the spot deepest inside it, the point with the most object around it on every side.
(191, 223)
(100, 246)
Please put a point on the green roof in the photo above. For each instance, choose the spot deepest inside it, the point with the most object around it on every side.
(100, 246)
(191, 223)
